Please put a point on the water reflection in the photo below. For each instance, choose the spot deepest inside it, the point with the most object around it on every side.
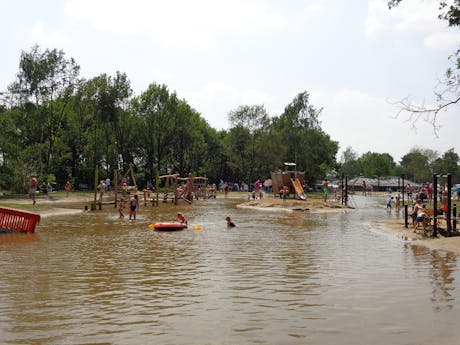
(441, 275)
(277, 278)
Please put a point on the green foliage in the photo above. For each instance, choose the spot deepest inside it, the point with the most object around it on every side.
(62, 127)
(249, 125)
(376, 164)
(44, 86)
(303, 140)
(349, 164)
(448, 163)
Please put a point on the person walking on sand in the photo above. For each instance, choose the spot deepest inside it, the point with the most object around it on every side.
(33, 188)
(133, 206)
(67, 188)
(325, 189)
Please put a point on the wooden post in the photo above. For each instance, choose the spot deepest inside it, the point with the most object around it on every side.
(174, 190)
(115, 184)
(96, 178)
(454, 215)
(157, 183)
(403, 186)
(341, 188)
(449, 204)
(205, 188)
(406, 216)
(346, 190)
(435, 205)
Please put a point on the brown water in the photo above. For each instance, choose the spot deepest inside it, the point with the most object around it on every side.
(274, 279)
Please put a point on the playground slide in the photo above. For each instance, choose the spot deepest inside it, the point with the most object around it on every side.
(298, 189)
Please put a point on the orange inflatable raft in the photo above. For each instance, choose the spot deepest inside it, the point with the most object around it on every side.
(169, 226)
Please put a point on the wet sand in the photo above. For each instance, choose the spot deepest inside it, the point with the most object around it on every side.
(313, 204)
(396, 227)
(51, 205)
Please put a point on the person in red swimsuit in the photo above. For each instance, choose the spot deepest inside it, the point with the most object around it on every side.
(181, 218)
(33, 188)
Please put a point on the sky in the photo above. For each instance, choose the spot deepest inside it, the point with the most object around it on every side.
(356, 59)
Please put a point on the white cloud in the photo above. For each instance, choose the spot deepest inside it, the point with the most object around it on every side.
(215, 96)
(370, 123)
(362, 121)
(442, 40)
(359, 99)
(48, 39)
(176, 22)
(313, 9)
(414, 15)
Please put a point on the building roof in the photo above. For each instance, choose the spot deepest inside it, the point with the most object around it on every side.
(391, 181)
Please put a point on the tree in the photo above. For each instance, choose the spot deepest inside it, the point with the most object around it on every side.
(376, 164)
(156, 109)
(415, 165)
(349, 164)
(303, 139)
(110, 96)
(11, 172)
(448, 163)
(189, 146)
(253, 118)
(43, 89)
(239, 150)
(449, 94)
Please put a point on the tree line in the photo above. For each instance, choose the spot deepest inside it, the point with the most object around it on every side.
(418, 165)
(63, 127)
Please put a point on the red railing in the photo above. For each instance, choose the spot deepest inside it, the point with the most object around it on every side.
(18, 220)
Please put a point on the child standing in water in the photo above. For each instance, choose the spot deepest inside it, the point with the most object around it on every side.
(132, 206)
(121, 206)
(230, 224)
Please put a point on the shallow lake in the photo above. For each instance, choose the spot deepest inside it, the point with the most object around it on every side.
(277, 278)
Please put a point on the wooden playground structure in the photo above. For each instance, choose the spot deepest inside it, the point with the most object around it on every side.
(288, 182)
(184, 188)
(172, 187)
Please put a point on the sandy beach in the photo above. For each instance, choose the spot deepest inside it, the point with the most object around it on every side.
(396, 228)
(51, 205)
(313, 204)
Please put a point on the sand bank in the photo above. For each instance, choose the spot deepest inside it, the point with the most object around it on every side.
(396, 227)
(311, 205)
(51, 205)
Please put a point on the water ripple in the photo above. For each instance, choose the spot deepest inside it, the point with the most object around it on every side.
(274, 279)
